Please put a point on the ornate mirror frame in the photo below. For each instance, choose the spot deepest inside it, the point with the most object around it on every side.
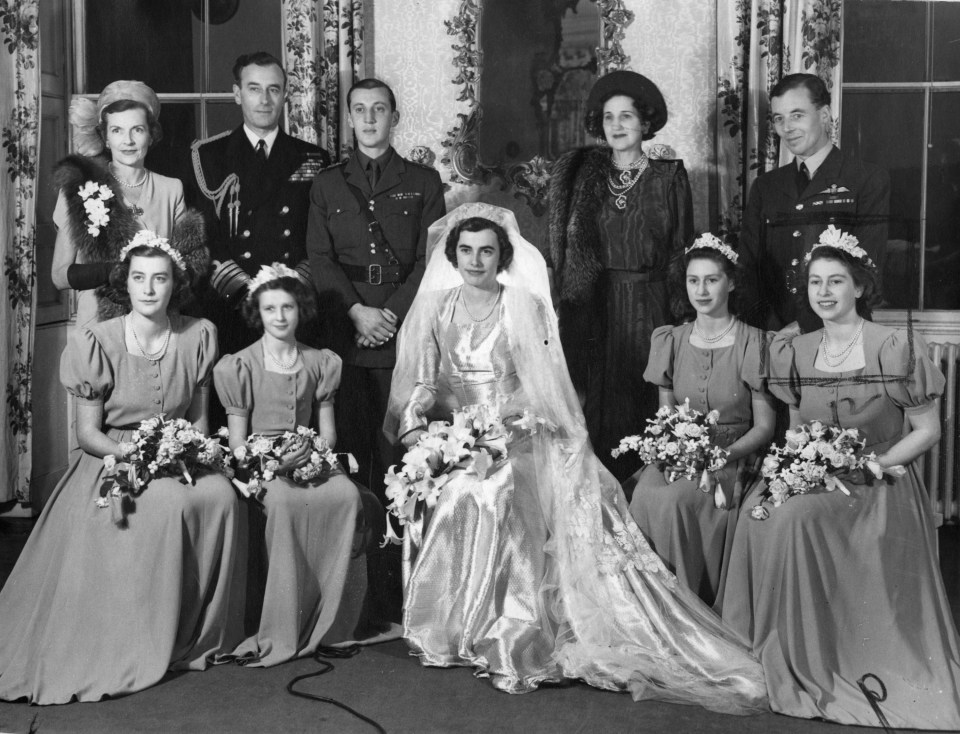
(528, 179)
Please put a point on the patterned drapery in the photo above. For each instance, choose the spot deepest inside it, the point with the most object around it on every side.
(758, 43)
(19, 119)
(323, 45)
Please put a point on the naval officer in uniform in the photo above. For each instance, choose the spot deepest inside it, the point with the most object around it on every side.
(790, 207)
(256, 181)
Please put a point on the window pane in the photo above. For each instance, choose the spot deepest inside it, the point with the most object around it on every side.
(254, 27)
(149, 41)
(946, 47)
(942, 265)
(883, 41)
(898, 145)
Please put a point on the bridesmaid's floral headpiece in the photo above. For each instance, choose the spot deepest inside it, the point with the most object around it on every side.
(267, 274)
(712, 242)
(146, 238)
(840, 240)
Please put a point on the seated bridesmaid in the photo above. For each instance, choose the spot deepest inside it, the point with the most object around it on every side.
(832, 587)
(315, 580)
(93, 608)
(716, 362)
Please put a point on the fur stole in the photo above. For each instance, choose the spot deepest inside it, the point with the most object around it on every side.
(189, 238)
(577, 189)
(70, 174)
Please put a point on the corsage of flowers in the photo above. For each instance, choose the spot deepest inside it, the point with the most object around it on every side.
(95, 197)
(260, 456)
(679, 442)
(813, 456)
(159, 448)
(475, 439)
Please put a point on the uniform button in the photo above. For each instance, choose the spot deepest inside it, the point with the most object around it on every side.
(157, 401)
(247, 255)
(286, 233)
(798, 233)
(157, 388)
(286, 210)
(799, 207)
(249, 212)
(246, 233)
(286, 256)
(405, 212)
(371, 203)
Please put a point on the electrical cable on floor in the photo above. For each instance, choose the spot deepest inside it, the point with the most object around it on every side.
(875, 698)
(338, 653)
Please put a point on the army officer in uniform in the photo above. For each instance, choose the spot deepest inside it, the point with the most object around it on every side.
(256, 180)
(791, 206)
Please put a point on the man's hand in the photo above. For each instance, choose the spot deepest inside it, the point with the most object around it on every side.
(375, 326)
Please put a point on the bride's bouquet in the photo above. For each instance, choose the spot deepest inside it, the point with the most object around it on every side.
(813, 456)
(260, 456)
(474, 441)
(679, 442)
(160, 448)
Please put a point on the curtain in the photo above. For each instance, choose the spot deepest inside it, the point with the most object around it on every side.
(19, 118)
(758, 43)
(323, 45)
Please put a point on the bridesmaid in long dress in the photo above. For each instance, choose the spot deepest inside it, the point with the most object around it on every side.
(832, 587)
(534, 571)
(93, 609)
(717, 363)
(316, 576)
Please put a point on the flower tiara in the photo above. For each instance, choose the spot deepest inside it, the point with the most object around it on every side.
(840, 240)
(712, 242)
(267, 274)
(146, 238)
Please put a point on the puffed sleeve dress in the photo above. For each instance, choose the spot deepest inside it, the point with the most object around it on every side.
(93, 609)
(831, 586)
(682, 524)
(316, 577)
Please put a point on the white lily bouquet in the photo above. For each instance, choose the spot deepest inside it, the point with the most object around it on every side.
(679, 442)
(260, 456)
(813, 456)
(95, 197)
(474, 441)
(159, 448)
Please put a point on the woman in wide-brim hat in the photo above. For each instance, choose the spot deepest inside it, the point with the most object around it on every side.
(107, 194)
(618, 213)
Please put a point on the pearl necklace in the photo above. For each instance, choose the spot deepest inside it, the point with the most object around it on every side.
(718, 337)
(286, 366)
(835, 360)
(489, 313)
(127, 184)
(152, 356)
(619, 186)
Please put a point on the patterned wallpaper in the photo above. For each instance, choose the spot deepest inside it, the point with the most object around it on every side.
(671, 41)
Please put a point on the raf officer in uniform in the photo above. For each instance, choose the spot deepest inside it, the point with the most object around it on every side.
(256, 180)
(366, 239)
(790, 207)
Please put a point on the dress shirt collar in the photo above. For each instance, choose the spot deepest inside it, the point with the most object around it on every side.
(364, 160)
(269, 139)
(815, 161)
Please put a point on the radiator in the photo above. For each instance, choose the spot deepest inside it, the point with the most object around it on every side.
(940, 465)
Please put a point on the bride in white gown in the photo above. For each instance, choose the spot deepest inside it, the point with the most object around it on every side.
(537, 572)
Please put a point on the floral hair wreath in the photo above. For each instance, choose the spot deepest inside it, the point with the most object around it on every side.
(712, 242)
(146, 238)
(840, 240)
(267, 274)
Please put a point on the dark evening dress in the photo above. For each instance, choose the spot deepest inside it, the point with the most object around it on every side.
(316, 577)
(831, 587)
(93, 609)
(682, 523)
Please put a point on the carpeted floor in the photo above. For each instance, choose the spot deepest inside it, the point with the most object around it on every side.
(386, 684)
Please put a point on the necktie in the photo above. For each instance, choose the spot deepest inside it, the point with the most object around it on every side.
(373, 174)
(261, 152)
(803, 178)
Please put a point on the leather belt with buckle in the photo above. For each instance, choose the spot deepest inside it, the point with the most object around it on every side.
(375, 274)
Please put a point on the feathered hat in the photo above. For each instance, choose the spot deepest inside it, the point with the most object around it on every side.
(85, 115)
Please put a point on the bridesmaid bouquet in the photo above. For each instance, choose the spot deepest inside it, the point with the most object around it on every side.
(260, 458)
(473, 442)
(95, 197)
(813, 456)
(160, 448)
(678, 442)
